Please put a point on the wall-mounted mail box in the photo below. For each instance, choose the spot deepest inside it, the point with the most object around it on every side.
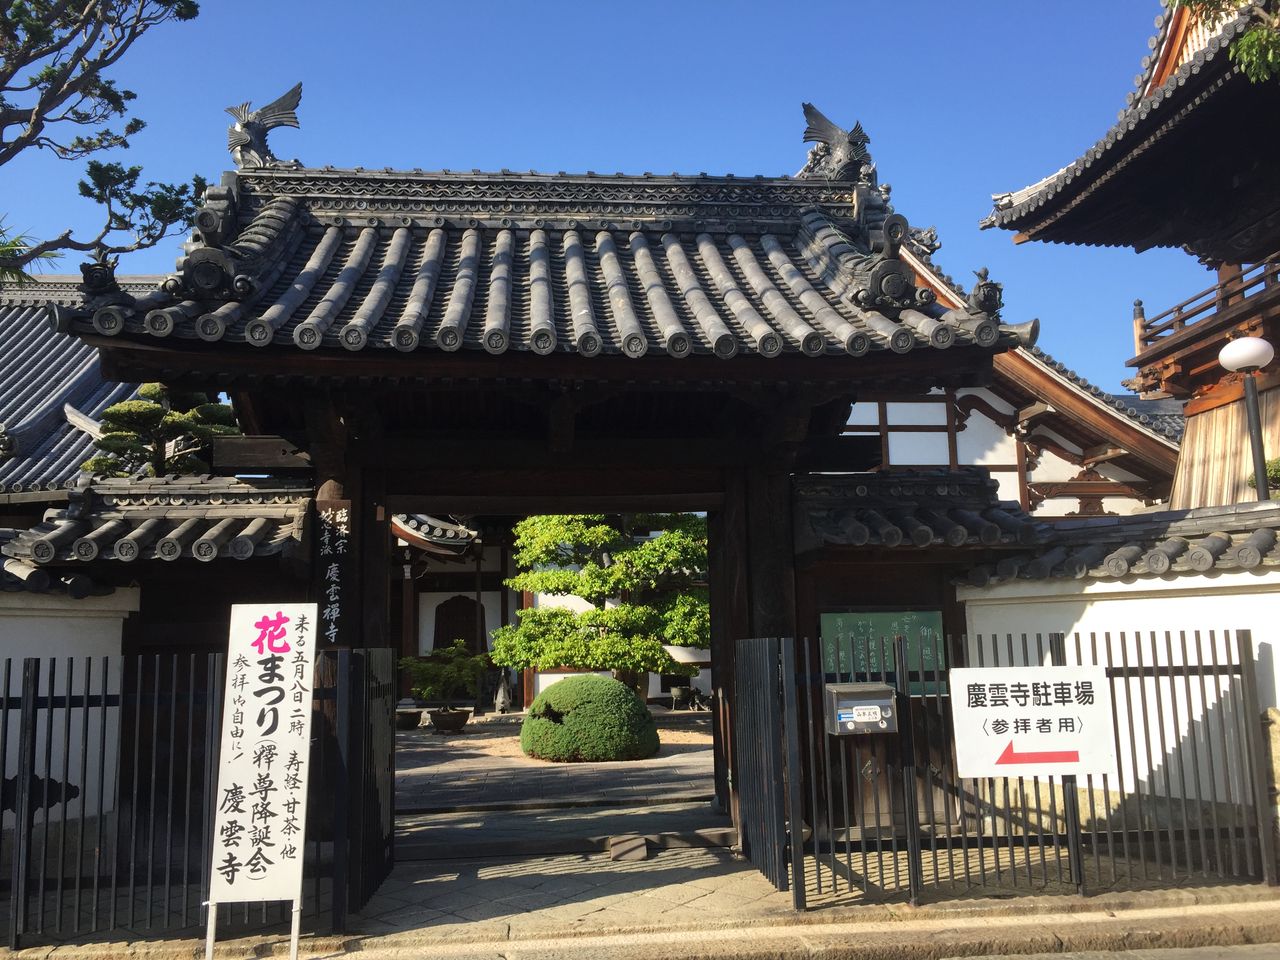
(853, 708)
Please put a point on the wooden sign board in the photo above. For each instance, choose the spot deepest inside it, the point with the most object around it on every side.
(260, 815)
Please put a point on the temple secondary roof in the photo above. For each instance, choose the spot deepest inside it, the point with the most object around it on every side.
(1236, 537)
(910, 509)
(168, 518)
(352, 260)
(1163, 154)
(51, 396)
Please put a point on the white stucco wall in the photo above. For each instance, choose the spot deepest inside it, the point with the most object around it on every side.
(1170, 607)
(46, 627)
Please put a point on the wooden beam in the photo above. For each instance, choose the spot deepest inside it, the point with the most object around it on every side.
(1101, 454)
(1032, 412)
(247, 453)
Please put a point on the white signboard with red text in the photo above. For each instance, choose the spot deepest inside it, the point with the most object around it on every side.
(260, 819)
(1032, 721)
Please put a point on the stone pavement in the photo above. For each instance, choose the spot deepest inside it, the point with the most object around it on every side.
(440, 773)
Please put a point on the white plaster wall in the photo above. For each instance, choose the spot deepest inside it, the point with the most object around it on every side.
(546, 678)
(491, 600)
(1052, 468)
(922, 414)
(51, 628)
(1208, 605)
(983, 441)
(918, 449)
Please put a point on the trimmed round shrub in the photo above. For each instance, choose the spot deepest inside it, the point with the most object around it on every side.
(586, 718)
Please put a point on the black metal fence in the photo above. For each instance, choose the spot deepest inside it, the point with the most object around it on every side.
(109, 774)
(883, 817)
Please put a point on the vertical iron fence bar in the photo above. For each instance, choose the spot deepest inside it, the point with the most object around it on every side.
(1115, 731)
(814, 771)
(1257, 757)
(828, 766)
(927, 777)
(795, 789)
(84, 784)
(1022, 781)
(945, 740)
(1223, 701)
(1070, 795)
(5, 706)
(907, 760)
(1182, 766)
(1195, 751)
(875, 781)
(1035, 781)
(1240, 734)
(1164, 753)
(977, 796)
(133, 798)
(151, 796)
(1211, 756)
(44, 794)
(24, 816)
(209, 795)
(189, 789)
(855, 782)
(1053, 796)
(885, 645)
(119, 795)
(1088, 781)
(104, 687)
(168, 803)
(1133, 751)
(1157, 836)
(66, 789)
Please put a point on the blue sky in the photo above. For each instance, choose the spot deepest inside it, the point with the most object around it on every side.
(960, 100)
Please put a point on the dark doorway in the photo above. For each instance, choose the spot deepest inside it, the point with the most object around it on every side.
(460, 618)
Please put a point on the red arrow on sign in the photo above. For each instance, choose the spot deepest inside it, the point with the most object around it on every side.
(1045, 756)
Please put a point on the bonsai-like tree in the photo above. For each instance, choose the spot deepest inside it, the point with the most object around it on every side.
(448, 674)
(643, 576)
(55, 96)
(163, 431)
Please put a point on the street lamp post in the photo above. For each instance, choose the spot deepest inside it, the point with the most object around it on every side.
(1248, 355)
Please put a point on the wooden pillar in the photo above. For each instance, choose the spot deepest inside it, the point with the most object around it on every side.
(730, 622)
(771, 551)
(375, 560)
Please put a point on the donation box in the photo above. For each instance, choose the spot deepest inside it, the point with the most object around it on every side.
(861, 708)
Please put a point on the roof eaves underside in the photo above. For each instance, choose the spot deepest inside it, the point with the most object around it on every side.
(1150, 118)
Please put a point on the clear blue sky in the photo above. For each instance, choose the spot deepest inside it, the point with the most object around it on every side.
(960, 100)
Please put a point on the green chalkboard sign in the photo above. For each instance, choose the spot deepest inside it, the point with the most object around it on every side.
(862, 641)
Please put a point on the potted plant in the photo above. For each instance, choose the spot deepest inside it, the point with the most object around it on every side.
(448, 675)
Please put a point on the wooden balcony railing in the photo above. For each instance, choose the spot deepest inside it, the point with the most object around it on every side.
(1249, 282)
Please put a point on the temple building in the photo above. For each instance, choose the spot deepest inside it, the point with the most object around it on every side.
(1188, 164)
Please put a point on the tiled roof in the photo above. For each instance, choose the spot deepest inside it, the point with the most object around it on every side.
(910, 509)
(170, 518)
(1141, 119)
(1236, 537)
(1163, 417)
(434, 535)
(632, 266)
(41, 375)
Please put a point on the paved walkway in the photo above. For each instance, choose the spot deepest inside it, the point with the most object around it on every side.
(458, 772)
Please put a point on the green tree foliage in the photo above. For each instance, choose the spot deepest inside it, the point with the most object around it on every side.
(588, 718)
(1273, 475)
(162, 432)
(644, 591)
(1256, 51)
(450, 673)
(55, 96)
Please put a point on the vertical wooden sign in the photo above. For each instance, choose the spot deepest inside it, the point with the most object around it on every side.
(260, 815)
(335, 572)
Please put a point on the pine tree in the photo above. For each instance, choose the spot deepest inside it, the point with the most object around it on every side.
(161, 432)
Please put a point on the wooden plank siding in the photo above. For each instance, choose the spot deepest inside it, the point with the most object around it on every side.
(1216, 462)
